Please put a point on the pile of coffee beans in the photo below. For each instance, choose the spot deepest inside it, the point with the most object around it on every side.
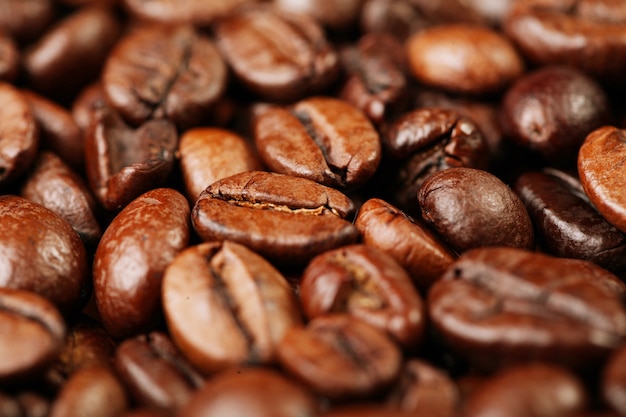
(312, 208)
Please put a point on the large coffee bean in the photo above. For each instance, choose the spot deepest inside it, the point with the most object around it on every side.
(226, 306)
(131, 257)
(287, 219)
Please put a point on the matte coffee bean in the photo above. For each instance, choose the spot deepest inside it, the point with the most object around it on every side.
(31, 335)
(366, 283)
(532, 390)
(522, 306)
(200, 13)
(122, 162)
(42, 253)
(340, 356)
(323, 139)
(407, 240)
(258, 392)
(600, 167)
(9, 58)
(182, 79)
(132, 256)
(613, 385)
(227, 306)
(463, 58)
(472, 208)
(278, 55)
(287, 219)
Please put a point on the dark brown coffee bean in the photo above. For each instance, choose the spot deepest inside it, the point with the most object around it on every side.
(472, 208)
(551, 111)
(25, 20)
(57, 187)
(408, 241)
(209, 154)
(424, 390)
(226, 306)
(131, 257)
(340, 356)
(285, 218)
(19, 133)
(157, 375)
(9, 58)
(31, 334)
(93, 391)
(323, 139)
(367, 283)
(182, 11)
(601, 171)
(520, 306)
(567, 223)
(463, 58)
(613, 386)
(89, 104)
(71, 53)
(532, 390)
(42, 253)
(183, 77)
(258, 392)
(340, 15)
(278, 55)
(122, 162)
(24, 404)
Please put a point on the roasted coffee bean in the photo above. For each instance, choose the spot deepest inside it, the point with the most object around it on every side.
(424, 390)
(226, 306)
(197, 12)
(89, 104)
(258, 392)
(285, 218)
(31, 336)
(472, 208)
(600, 167)
(463, 58)
(340, 15)
(19, 133)
(132, 256)
(326, 140)
(164, 72)
(25, 20)
(42, 253)
(567, 223)
(551, 111)
(365, 411)
(278, 55)
(530, 390)
(366, 283)
(57, 187)
(523, 306)
(613, 385)
(9, 58)
(209, 154)
(340, 356)
(407, 240)
(122, 162)
(157, 374)
(71, 53)
(429, 140)
(24, 404)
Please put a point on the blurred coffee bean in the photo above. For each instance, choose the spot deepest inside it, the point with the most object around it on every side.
(25, 20)
(9, 58)
(197, 12)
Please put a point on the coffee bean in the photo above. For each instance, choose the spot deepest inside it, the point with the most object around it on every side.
(25, 20)
(132, 256)
(199, 13)
(365, 411)
(340, 15)
(89, 104)
(323, 139)
(613, 385)
(9, 58)
(285, 218)
(24, 404)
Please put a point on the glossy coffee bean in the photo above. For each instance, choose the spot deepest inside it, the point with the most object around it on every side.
(567, 223)
(340, 15)
(531, 390)
(323, 139)
(226, 306)
(42, 253)
(472, 208)
(199, 13)
(339, 356)
(157, 375)
(122, 162)
(600, 169)
(366, 283)
(183, 78)
(259, 392)
(132, 256)
(413, 245)
(551, 111)
(285, 218)
(87, 106)
(463, 58)
(31, 335)
(522, 306)
(9, 58)
(278, 55)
